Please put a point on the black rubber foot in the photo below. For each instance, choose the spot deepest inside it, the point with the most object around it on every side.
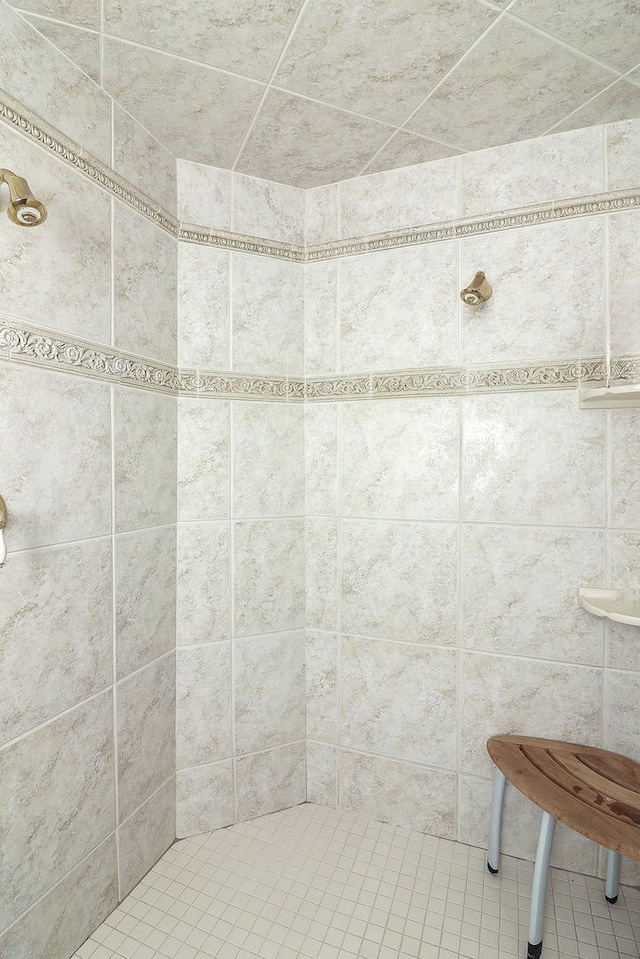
(491, 869)
(612, 901)
(534, 952)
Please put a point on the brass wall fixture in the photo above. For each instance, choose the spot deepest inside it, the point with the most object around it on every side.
(3, 523)
(478, 291)
(23, 207)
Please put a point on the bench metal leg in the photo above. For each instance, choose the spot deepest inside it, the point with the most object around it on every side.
(539, 887)
(497, 799)
(613, 877)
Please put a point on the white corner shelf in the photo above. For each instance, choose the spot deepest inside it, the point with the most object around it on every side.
(610, 397)
(620, 605)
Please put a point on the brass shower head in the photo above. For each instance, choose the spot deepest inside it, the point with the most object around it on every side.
(23, 207)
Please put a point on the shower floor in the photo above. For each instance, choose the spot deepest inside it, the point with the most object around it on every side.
(318, 883)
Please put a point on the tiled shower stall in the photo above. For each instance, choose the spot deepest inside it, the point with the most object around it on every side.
(227, 594)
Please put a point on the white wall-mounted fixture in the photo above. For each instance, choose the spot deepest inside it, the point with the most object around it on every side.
(620, 605)
(609, 397)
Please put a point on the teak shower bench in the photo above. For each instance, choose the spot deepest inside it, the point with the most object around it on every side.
(593, 791)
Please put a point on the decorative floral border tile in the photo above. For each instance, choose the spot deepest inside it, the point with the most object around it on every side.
(28, 123)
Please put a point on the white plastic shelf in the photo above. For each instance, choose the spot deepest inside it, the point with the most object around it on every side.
(620, 605)
(610, 397)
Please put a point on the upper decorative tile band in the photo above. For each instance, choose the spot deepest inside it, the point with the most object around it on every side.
(35, 346)
(65, 149)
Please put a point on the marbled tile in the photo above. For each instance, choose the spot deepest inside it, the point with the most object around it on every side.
(69, 419)
(269, 576)
(400, 459)
(271, 210)
(203, 459)
(204, 798)
(267, 314)
(203, 583)
(268, 459)
(82, 13)
(321, 572)
(399, 309)
(502, 694)
(624, 572)
(203, 307)
(532, 171)
(521, 824)
(486, 99)
(399, 700)
(55, 632)
(374, 61)
(624, 282)
(321, 458)
(321, 325)
(245, 38)
(621, 712)
(143, 160)
(308, 143)
(269, 691)
(417, 602)
(69, 912)
(203, 704)
(204, 195)
(604, 30)
(145, 588)
(145, 271)
(57, 274)
(146, 836)
(533, 458)
(81, 46)
(272, 780)
(397, 199)
(618, 102)
(145, 459)
(58, 91)
(519, 592)
(171, 96)
(322, 779)
(322, 215)
(406, 149)
(539, 277)
(145, 711)
(622, 142)
(322, 686)
(403, 793)
(56, 802)
(625, 484)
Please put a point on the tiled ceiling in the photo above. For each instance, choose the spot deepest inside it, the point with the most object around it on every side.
(307, 92)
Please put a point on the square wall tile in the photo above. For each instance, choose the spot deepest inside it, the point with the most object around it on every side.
(145, 704)
(143, 160)
(205, 798)
(322, 686)
(56, 801)
(271, 210)
(512, 695)
(203, 459)
(56, 626)
(624, 283)
(322, 779)
(146, 836)
(624, 572)
(622, 143)
(70, 419)
(399, 581)
(321, 325)
(145, 277)
(204, 195)
(271, 780)
(269, 576)
(400, 459)
(519, 592)
(321, 458)
(267, 314)
(145, 597)
(406, 794)
(269, 691)
(203, 588)
(268, 459)
(322, 215)
(321, 572)
(399, 308)
(533, 458)
(625, 485)
(621, 689)
(145, 459)
(203, 704)
(399, 700)
(204, 321)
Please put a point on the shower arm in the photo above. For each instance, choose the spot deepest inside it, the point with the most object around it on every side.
(23, 207)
